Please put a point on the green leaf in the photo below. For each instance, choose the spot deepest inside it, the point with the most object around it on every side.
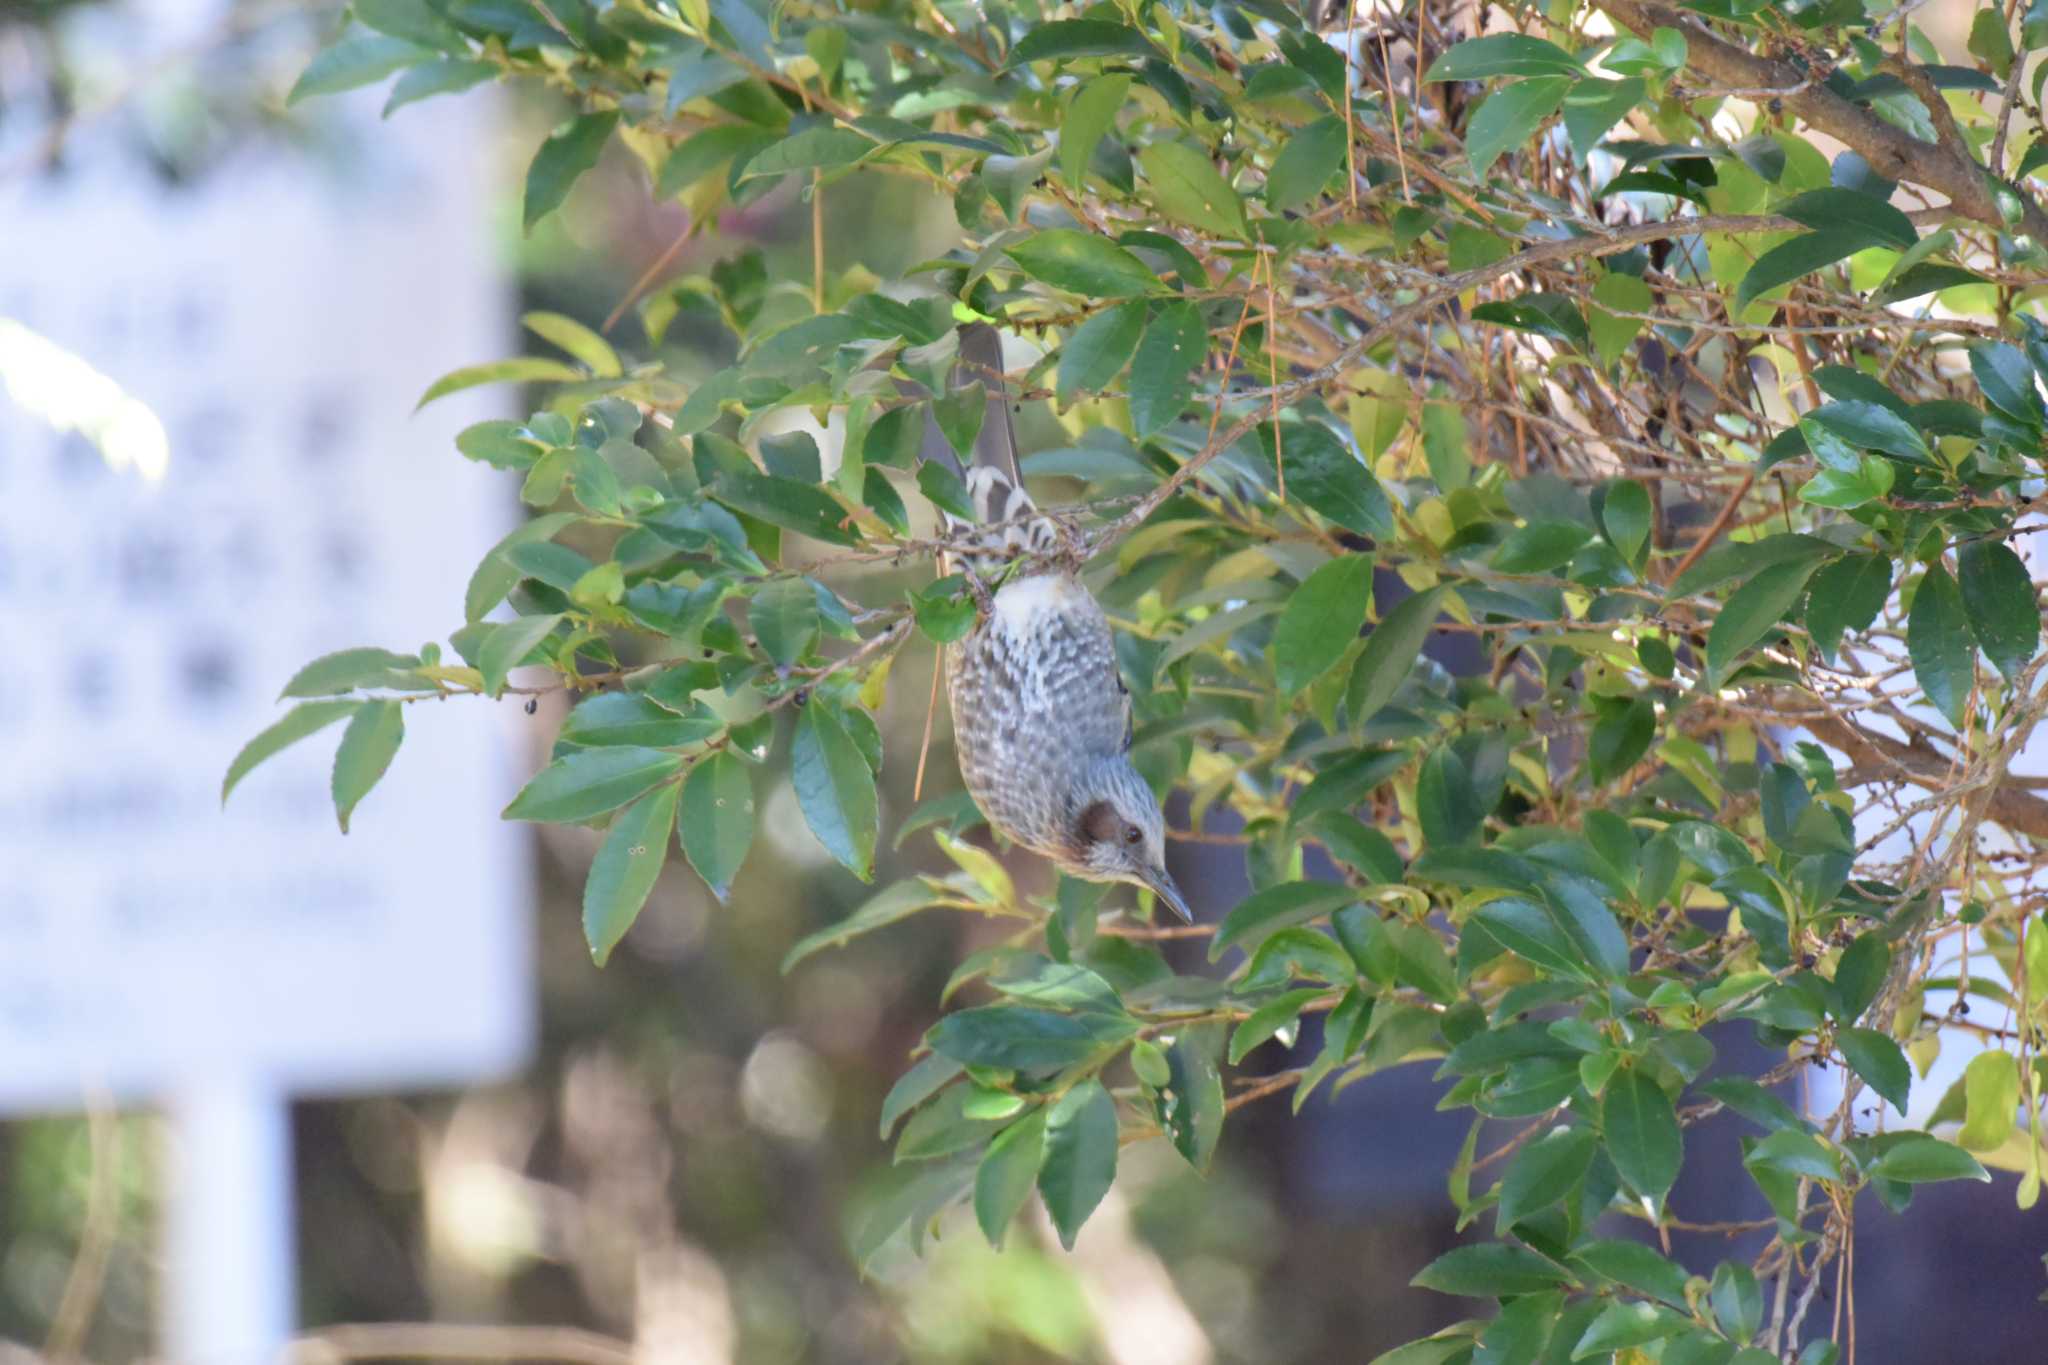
(717, 822)
(632, 718)
(1066, 38)
(579, 341)
(1024, 1037)
(1540, 547)
(703, 152)
(1542, 1173)
(1802, 255)
(354, 62)
(1991, 1098)
(931, 1074)
(1923, 1160)
(835, 788)
(1390, 653)
(625, 869)
(442, 76)
(495, 575)
(367, 748)
(507, 647)
(784, 618)
(412, 20)
(2007, 381)
(884, 908)
(1835, 209)
(585, 784)
(1322, 618)
(1738, 1303)
(1190, 191)
(1312, 155)
(305, 719)
(1503, 54)
(1642, 1133)
(1490, 1270)
(1626, 516)
(1080, 1157)
(1622, 1325)
(1446, 446)
(522, 370)
(811, 149)
(1176, 341)
(959, 414)
(1082, 263)
(1510, 116)
(1878, 1060)
(1276, 1016)
(799, 507)
(1591, 108)
(1325, 475)
(1998, 600)
(1752, 612)
(1846, 595)
(567, 153)
(1097, 350)
(1872, 426)
(1939, 643)
(1635, 1266)
(1004, 1180)
(346, 670)
(1277, 907)
(1796, 1153)
(1090, 115)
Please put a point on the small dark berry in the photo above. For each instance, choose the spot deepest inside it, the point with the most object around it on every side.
(803, 694)
(532, 705)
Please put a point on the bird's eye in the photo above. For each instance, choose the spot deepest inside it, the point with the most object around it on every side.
(1132, 834)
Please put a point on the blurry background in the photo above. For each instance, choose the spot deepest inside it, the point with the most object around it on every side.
(667, 1152)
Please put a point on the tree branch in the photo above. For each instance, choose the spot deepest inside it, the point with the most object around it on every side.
(1891, 151)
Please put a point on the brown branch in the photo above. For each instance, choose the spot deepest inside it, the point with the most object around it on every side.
(1881, 757)
(1891, 151)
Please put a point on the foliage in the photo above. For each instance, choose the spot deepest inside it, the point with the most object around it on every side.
(1561, 344)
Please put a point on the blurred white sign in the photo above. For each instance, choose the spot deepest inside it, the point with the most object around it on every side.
(280, 316)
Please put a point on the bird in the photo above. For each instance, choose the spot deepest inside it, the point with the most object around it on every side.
(1041, 715)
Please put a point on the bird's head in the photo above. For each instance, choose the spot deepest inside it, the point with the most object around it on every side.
(1117, 833)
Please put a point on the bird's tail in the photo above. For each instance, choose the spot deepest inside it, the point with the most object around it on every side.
(1006, 523)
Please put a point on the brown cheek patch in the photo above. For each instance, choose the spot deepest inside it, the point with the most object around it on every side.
(1099, 823)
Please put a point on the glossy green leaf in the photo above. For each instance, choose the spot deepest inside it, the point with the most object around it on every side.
(568, 152)
(1080, 1157)
(1390, 653)
(1846, 596)
(1800, 256)
(1543, 1172)
(354, 62)
(1502, 54)
(1162, 371)
(1187, 188)
(585, 784)
(1314, 153)
(1924, 1160)
(835, 788)
(886, 907)
(1642, 1133)
(1490, 1270)
(307, 718)
(1510, 116)
(508, 646)
(1082, 263)
(1939, 642)
(584, 345)
(524, 370)
(1007, 1174)
(1066, 38)
(1752, 612)
(367, 747)
(1097, 350)
(1878, 1060)
(1322, 618)
(1090, 116)
(1274, 908)
(625, 869)
(717, 820)
(1998, 600)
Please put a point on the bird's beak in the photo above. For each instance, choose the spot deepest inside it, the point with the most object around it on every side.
(1161, 885)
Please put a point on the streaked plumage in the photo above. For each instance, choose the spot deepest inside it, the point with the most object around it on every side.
(1041, 717)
